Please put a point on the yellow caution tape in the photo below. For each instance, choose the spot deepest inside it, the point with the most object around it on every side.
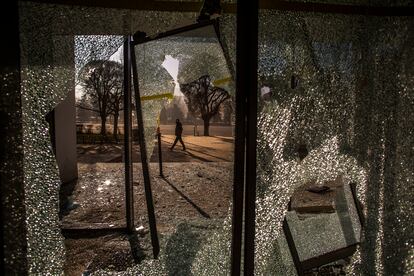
(222, 81)
(171, 95)
(157, 97)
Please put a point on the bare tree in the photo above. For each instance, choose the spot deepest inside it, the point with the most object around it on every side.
(115, 106)
(102, 84)
(204, 99)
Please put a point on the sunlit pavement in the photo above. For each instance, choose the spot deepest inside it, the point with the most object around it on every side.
(198, 149)
(192, 193)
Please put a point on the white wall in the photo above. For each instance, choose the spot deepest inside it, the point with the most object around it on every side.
(65, 131)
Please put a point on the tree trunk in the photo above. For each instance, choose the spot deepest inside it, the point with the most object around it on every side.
(206, 127)
(116, 116)
(103, 125)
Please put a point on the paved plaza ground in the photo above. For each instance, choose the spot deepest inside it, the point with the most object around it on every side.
(198, 149)
(195, 192)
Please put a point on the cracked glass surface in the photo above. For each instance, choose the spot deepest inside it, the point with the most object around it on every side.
(358, 124)
(198, 53)
(47, 34)
(348, 92)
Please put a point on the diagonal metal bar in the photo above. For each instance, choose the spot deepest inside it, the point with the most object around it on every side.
(144, 159)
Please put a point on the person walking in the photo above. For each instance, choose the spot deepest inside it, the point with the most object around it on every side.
(178, 133)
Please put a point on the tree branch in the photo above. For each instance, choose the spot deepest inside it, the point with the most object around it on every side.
(87, 108)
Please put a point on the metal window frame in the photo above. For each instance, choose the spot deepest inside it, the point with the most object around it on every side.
(238, 179)
(281, 5)
(129, 188)
(147, 38)
(228, 8)
(143, 151)
(247, 87)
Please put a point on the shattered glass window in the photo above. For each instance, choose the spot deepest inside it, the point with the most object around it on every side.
(95, 199)
(80, 36)
(176, 74)
(198, 54)
(336, 98)
(49, 71)
(332, 88)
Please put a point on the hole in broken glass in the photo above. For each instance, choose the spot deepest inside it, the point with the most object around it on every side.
(92, 206)
(322, 225)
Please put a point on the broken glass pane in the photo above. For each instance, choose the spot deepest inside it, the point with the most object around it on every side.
(173, 72)
(198, 54)
(96, 198)
(320, 117)
(47, 36)
(380, 131)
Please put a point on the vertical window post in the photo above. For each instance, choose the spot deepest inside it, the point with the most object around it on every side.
(129, 192)
(246, 84)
